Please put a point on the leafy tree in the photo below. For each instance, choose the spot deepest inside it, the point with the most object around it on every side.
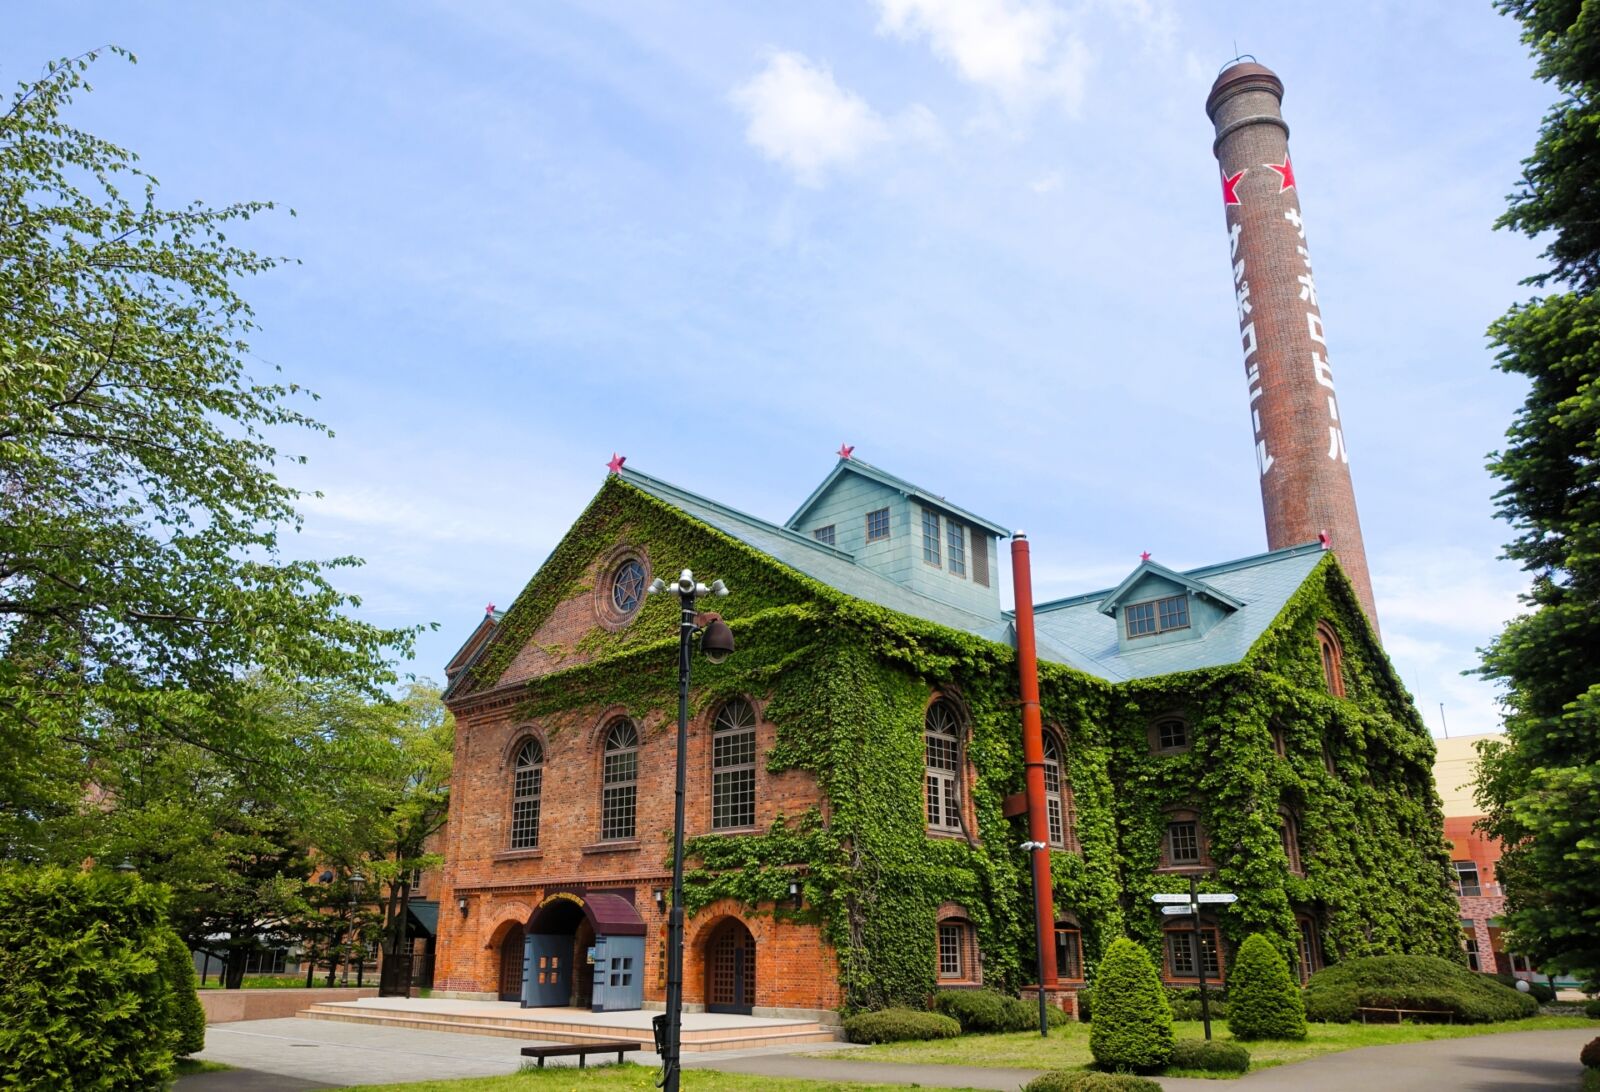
(1132, 1026)
(1263, 1000)
(141, 575)
(1540, 789)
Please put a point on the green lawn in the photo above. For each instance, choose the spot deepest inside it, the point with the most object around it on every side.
(187, 1067)
(629, 1076)
(1068, 1047)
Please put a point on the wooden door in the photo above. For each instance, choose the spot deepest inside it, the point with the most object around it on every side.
(731, 969)
(511, 959)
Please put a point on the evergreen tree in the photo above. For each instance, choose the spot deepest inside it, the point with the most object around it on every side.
(1132, 1026)
(185, 1016)
(1263, 1000)
(1540, 789)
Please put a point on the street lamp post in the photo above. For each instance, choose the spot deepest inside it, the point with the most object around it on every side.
(716, 643)
(356, 880)
(1044, 1018)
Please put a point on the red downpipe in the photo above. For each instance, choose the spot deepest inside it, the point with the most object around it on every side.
(1033, 758)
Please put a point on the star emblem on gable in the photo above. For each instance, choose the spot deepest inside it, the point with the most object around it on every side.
(1285, 173)
(1230, 186)
(845, 450)
(615, 465)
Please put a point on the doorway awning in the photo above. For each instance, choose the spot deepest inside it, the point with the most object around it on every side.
(424, 917)
(613, 915)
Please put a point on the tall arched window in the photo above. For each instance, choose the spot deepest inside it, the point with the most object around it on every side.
(526, 788)
(733, 766)
(1332, 659)
(1057, 799)
(619, 793)
(942, 765)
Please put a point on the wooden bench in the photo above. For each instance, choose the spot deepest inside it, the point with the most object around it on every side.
(1400, 1014)
(619, 1047)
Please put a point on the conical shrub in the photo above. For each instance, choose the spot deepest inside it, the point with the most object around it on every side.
(1263, 1000)
(1132, 1026)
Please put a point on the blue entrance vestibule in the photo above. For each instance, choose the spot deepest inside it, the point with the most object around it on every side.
(584, 949)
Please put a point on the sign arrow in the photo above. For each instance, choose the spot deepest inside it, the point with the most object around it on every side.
(1180, 910)
(1170, 898)
(1219, 898)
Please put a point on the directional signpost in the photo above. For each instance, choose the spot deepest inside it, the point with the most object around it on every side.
(1190, 904)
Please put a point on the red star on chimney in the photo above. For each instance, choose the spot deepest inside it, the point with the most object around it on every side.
(1145, 556)
(845, 450)
(1285, 173)
(1230, 186)
(616, 462)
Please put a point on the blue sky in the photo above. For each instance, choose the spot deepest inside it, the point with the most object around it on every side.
(982, 241)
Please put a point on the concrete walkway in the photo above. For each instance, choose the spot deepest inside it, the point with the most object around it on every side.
(294, 1054)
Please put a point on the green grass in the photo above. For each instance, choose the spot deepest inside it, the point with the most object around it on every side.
(1068, 1047)
(188, 1067)
(629, 1076)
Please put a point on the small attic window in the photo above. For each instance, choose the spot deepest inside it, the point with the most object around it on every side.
(1157, 616)
(824, 535)
(877, 525)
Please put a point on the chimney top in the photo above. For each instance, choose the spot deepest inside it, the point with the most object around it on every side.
(1242, 73)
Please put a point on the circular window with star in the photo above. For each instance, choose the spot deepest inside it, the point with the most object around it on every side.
(620, 590)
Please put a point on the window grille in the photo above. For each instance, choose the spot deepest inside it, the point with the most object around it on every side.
(1069, 953)
(1181, 955)
(1156, 616)
(1470, 943)
(1467, 878)
(1309, 962)
(627, 586)
(1183, 842)
(980, 557)
(1332, 659)
(1052, 790)
(877, 524)
(950, 938)
(1289, 832)
(930, 537)
(619, 792)
(942, 736)
(824, 535)
(1172, 734)
(955, 540)
(733, 766)
(527, 788)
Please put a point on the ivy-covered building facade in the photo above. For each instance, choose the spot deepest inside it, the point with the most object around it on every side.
(856, 767)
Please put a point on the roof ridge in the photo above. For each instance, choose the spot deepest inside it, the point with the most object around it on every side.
(628, 472)
(1280, 554)
(894, 481)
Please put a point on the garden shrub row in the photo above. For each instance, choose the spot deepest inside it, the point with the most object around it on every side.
(1210, 1056)
(982, 1011)
(899, 1026)
(1065, 1080)
(1591, 1008)
(1412, 982)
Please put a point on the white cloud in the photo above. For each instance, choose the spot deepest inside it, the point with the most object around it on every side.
(1021, 50)
(802, 119)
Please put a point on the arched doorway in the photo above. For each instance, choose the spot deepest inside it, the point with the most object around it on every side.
(511, 956)
(553, 954)
(583, 982)
(730, 968)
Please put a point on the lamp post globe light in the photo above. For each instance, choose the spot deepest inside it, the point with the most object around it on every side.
(716, 644)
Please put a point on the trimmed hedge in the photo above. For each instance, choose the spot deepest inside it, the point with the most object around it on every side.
(1591, 1008)
(1190, 1010)
(1132, 1027)
(984, 1011)
(1263, 1000)
(1210, 1056)
(899, 1026)
(1065, 1080)
(1412, 982)
(85, 1004)
(185, 1015)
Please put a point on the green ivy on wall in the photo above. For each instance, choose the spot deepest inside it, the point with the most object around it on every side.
(847, 683)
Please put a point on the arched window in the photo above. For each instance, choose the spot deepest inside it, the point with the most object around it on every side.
(526, 788)
(942, 765)
(1169, 735)
(627, 586)
(1332, 659)
(957, 946)
(1289, 831)
(733, 766)
(1057, 794)
(619, 793)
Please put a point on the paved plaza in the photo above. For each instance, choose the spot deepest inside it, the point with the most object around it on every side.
(293, 1054)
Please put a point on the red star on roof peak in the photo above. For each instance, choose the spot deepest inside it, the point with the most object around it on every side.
(1285, 173)
(489, 609)
(845, 450)
(615, 465)
(1145, 556)
(1230, 186)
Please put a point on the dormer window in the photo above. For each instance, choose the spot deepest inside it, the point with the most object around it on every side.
(877, 525)
(1157, 616)
(824, 535)
(955, 541)
(930, 537)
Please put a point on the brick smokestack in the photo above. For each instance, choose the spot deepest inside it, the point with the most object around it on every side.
(1300, 446)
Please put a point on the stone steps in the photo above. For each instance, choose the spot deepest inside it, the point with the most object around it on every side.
(511, 1027)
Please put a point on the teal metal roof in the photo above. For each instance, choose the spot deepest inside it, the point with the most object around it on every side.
(1110, 603)
(1261, 584)
(1070, 631)
(833, 567)
(852, 465)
